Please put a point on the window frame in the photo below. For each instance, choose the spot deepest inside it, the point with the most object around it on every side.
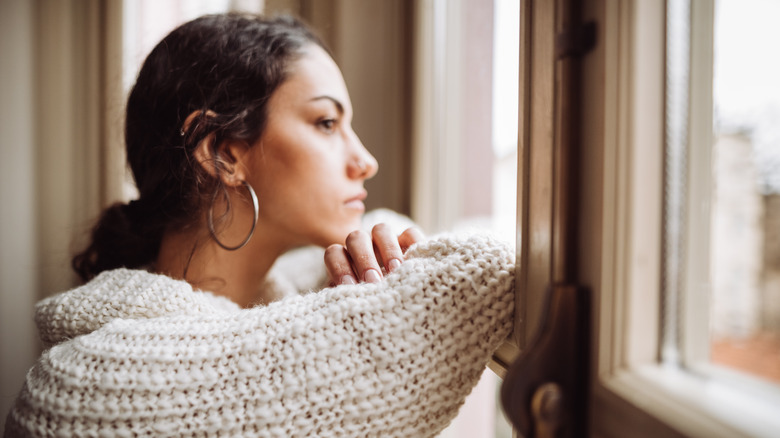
(620, 251)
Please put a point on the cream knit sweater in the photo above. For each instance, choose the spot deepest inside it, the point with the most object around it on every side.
(139, 354)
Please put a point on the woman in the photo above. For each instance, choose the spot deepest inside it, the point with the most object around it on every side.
(238, 135)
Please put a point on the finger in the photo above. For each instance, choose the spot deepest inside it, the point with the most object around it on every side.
(339, 266)
(386, 243)
(409, 237)
(361, 252)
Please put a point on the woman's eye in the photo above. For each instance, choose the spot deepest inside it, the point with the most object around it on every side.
(327, 125)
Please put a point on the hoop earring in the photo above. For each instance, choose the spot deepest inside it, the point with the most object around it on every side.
(256, 207)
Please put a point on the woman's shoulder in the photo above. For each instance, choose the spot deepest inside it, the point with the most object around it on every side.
(120, 294)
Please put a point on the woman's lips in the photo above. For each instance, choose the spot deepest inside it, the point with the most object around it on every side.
(356, 202)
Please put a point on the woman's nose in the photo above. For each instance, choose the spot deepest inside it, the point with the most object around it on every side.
(362, 165)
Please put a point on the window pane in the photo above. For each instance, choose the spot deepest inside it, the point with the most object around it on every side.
(745, 199)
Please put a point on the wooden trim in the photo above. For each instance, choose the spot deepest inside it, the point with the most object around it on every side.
(566, 151)
(506, 354)
(436, 151)
(510, 350)
(422, 104)
(631, 165)
(622, 130)
(663, 401)
(113, 167)
(536, 132)
(613, 416)
(519, 335)
(644, 181)
(696, 294)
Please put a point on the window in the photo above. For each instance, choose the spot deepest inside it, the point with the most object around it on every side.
(745, 191)
(660, 273)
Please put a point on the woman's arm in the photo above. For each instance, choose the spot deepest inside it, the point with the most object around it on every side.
(394, 358)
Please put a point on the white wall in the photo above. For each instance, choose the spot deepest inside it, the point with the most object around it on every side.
(18, 280)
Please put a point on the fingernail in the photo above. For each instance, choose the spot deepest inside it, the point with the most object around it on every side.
(372, 276)
(393, 264)
(347, 279)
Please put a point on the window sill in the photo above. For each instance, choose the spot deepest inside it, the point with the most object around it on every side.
(693, 404)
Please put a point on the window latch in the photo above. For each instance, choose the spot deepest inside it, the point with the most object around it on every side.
(544, 393)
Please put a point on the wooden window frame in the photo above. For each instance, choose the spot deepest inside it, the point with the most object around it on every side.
(620, 257)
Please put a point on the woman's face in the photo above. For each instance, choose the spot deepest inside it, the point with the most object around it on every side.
(309, 166)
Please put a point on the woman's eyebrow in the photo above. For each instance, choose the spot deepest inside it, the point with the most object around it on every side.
(335, 101)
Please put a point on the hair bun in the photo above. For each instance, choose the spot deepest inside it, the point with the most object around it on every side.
(120, 239)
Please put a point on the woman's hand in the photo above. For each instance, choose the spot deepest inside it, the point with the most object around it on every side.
(365, 257)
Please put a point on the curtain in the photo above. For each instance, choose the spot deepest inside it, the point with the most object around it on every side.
(62, 156)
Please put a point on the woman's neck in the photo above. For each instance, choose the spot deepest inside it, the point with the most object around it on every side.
(238, 275)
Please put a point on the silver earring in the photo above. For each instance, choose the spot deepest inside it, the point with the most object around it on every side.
(255, 205)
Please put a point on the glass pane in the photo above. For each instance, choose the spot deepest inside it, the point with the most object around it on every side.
(745, 198)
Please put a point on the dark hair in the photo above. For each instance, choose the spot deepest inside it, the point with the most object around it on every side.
(228, 65)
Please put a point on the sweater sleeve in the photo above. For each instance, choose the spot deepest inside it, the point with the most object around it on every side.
(396, 358)
(302, 271)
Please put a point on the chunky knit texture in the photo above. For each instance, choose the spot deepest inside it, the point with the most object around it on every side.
(139, 354)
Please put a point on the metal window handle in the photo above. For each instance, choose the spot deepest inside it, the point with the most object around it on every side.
(547, 410)
(544, 393)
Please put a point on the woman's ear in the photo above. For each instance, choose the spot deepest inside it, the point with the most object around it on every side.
(224, 160)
